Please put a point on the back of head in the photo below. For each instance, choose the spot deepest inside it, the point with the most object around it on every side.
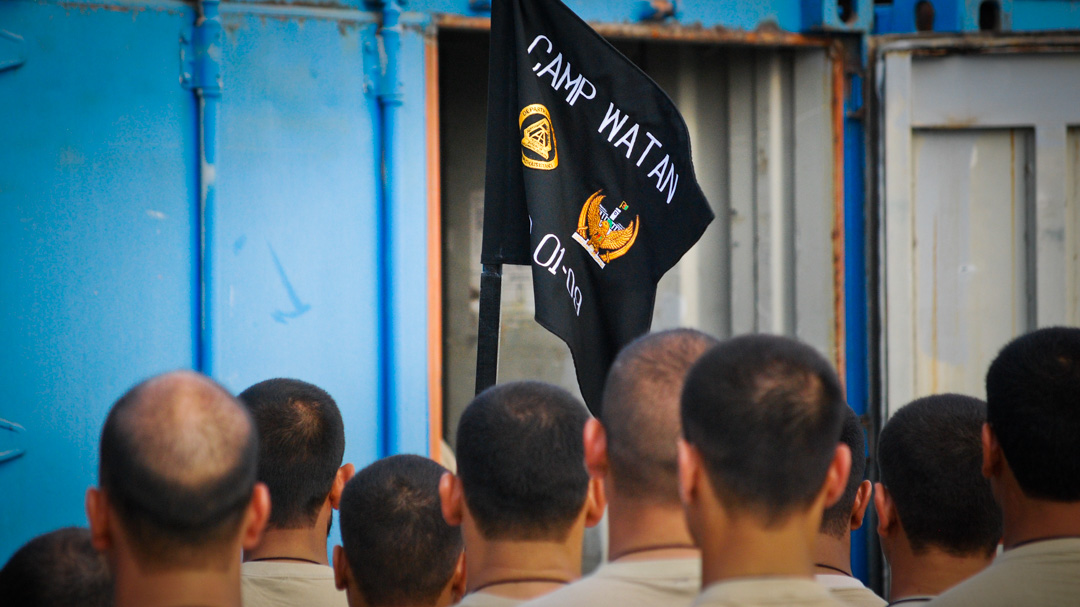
(640, 412)
(521, 461)
(930, 457)
(178, 461)
(765, 412)
(57, 569)
(836, 521)
(301, 444)
(1034, 410)
(399, 547)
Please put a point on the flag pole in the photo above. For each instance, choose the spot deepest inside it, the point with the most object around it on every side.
(487, 340)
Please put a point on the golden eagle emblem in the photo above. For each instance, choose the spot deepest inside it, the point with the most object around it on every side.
(537, 138)
(601, 234)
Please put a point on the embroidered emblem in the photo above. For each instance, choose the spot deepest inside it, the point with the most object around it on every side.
(602, 236)
(538, 148)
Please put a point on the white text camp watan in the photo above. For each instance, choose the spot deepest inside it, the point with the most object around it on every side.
(559, 74)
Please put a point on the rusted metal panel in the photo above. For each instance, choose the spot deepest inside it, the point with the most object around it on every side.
(691, 34)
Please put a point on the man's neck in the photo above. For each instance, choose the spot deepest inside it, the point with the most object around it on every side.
(647, 531)
(744, 548)
(176, 588)
(832, 554)
(499, 566)
(931, 572)
(300, 545)
(1026, 519)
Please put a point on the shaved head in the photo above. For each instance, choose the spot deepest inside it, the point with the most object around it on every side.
(640, 412)
(178, 464)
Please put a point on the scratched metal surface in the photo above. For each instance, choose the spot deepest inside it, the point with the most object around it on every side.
(980, 210)
(294, 225)
(787, 15)
(100, 220)
(97, 277)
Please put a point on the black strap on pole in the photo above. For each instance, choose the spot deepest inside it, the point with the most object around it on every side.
(487, 341)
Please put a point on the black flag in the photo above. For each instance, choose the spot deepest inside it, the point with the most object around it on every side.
(589, 180)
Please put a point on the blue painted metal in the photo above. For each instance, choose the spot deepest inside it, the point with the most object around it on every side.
(403, 228)
(12, 53)
(856, 334)
(955, 16)
(206, 82)
(97, 183)
(749, 15)
(295, 235)
(11, 453)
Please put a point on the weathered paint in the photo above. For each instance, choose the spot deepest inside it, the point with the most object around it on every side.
(970, 262)
(98, 229)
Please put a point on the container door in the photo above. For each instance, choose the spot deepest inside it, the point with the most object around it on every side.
(979, 167)
(97, 235)
(294, 279)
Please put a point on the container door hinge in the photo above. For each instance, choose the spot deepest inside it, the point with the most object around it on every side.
(12, 51)
(200, 54)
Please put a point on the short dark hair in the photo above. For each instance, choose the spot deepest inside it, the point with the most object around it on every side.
(58, 569)
(640, 412)
(765, 413)
(836, 521)
(930, 459)
(1033, 409)
(178, 461)
(520, 458)
(301, 445)
(400, 548)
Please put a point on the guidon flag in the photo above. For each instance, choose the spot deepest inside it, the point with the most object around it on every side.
(589, 180)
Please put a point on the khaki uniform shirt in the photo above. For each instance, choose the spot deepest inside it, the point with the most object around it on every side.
(646, 583)
(850, 590)
(1031, 575)
(767, 592)
(486, 599)
(282, 584)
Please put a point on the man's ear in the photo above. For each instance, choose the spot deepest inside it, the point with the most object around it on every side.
(458, 580)
(886, 511)
(342, 573)
(862, 501)
(342, 477)
(837, 476)
(97, 515)
(451, 498)
(691, 470)
(595, 502)
(258, 512)
(993, 458)
(596, 456)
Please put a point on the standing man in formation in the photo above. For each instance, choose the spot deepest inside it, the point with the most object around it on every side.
(832, 555)
(937, 518)
(177, 497)
(631, 448)
(1032, 457)
(301, 445)
(521, 495)
(759, 463)
(398, 551)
